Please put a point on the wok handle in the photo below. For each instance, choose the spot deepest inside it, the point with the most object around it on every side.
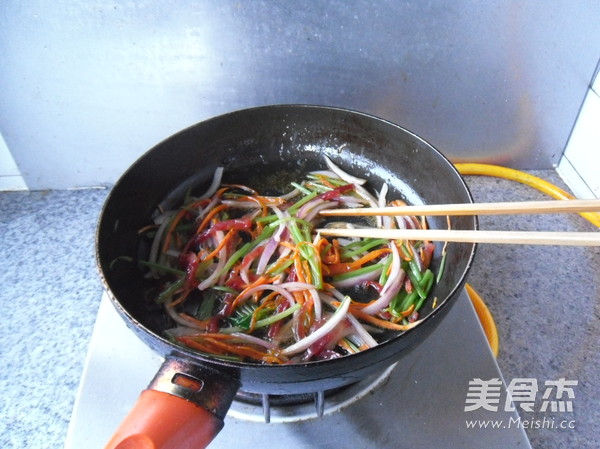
(161, 421)
(183, 407)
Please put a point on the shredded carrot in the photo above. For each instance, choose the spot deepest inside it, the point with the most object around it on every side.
(214, 211)
(182, 213)
(403, 252)
(406, 313)
(308, 274)
(266, 303)
(299, 268)
(305, 263)
(299, 295)
(172, 226)
(193, 320)
(370, 256)
(260, 281)
(344, 345)
(221, 244)
(279, 263)
(264, 200)
(398, 203)
(339, 268)
(335, 255)
(303, 296)
(182, 298)
(215, 336)
(409, 311)
(178, 240)
(262, 204)
(290, 246)
(321, 245)
(147, 228)
(358, 313)
(209, 344)
(325, 182)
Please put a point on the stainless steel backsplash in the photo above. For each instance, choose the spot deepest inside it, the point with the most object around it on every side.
(89, 86)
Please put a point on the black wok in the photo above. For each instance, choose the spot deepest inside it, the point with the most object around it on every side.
(263, 147)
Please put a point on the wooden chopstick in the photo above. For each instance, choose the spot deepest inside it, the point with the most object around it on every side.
(523, 207)
(443, 235)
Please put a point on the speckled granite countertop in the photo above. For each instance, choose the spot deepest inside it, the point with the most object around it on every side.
(545, 301)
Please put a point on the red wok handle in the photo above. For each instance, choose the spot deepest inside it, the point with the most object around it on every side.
(183, 408)
(162, 421)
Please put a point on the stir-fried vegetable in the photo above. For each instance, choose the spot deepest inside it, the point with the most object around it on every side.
(242, 275)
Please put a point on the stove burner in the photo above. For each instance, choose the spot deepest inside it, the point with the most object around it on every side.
(278, 400)
(301, 407)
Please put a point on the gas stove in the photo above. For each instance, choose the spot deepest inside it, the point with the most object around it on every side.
(418, 402)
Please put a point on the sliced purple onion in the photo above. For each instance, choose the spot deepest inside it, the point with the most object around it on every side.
(366, 195)
(276, 288)
(210, 206)
(282, 228)
(182, 331)
(400, 222)
(282, 234)
(297, 286)
(333, 321)
(284, 251)
(327, 173)
(351, 201)
(156, 242)
(383, 221)
(342, 225)
(415, 255)
(254, 340)
(173, 253)
(177, 195)
(301, 286)
(242, 204)
(181, 319)
(245, 267)
(391, 287)
(281, 279)
(358, 182)
(272, 244)
(326, 354)
(306, 208)
(160, 218)
(213, 278)
(328, 299)
(337, 294)
(342, 174)
(266, 255)
(414, 222)
(318, 208)
(322, 349)
(216, 182)
(245, 273)
(357, 280)
(362, 333)
(290, 195)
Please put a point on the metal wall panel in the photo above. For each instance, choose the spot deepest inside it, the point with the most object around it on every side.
(86, 87)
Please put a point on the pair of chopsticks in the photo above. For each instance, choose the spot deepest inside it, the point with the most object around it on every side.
(508, 237)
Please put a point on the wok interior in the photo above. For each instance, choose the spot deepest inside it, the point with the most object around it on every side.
(266, 148)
